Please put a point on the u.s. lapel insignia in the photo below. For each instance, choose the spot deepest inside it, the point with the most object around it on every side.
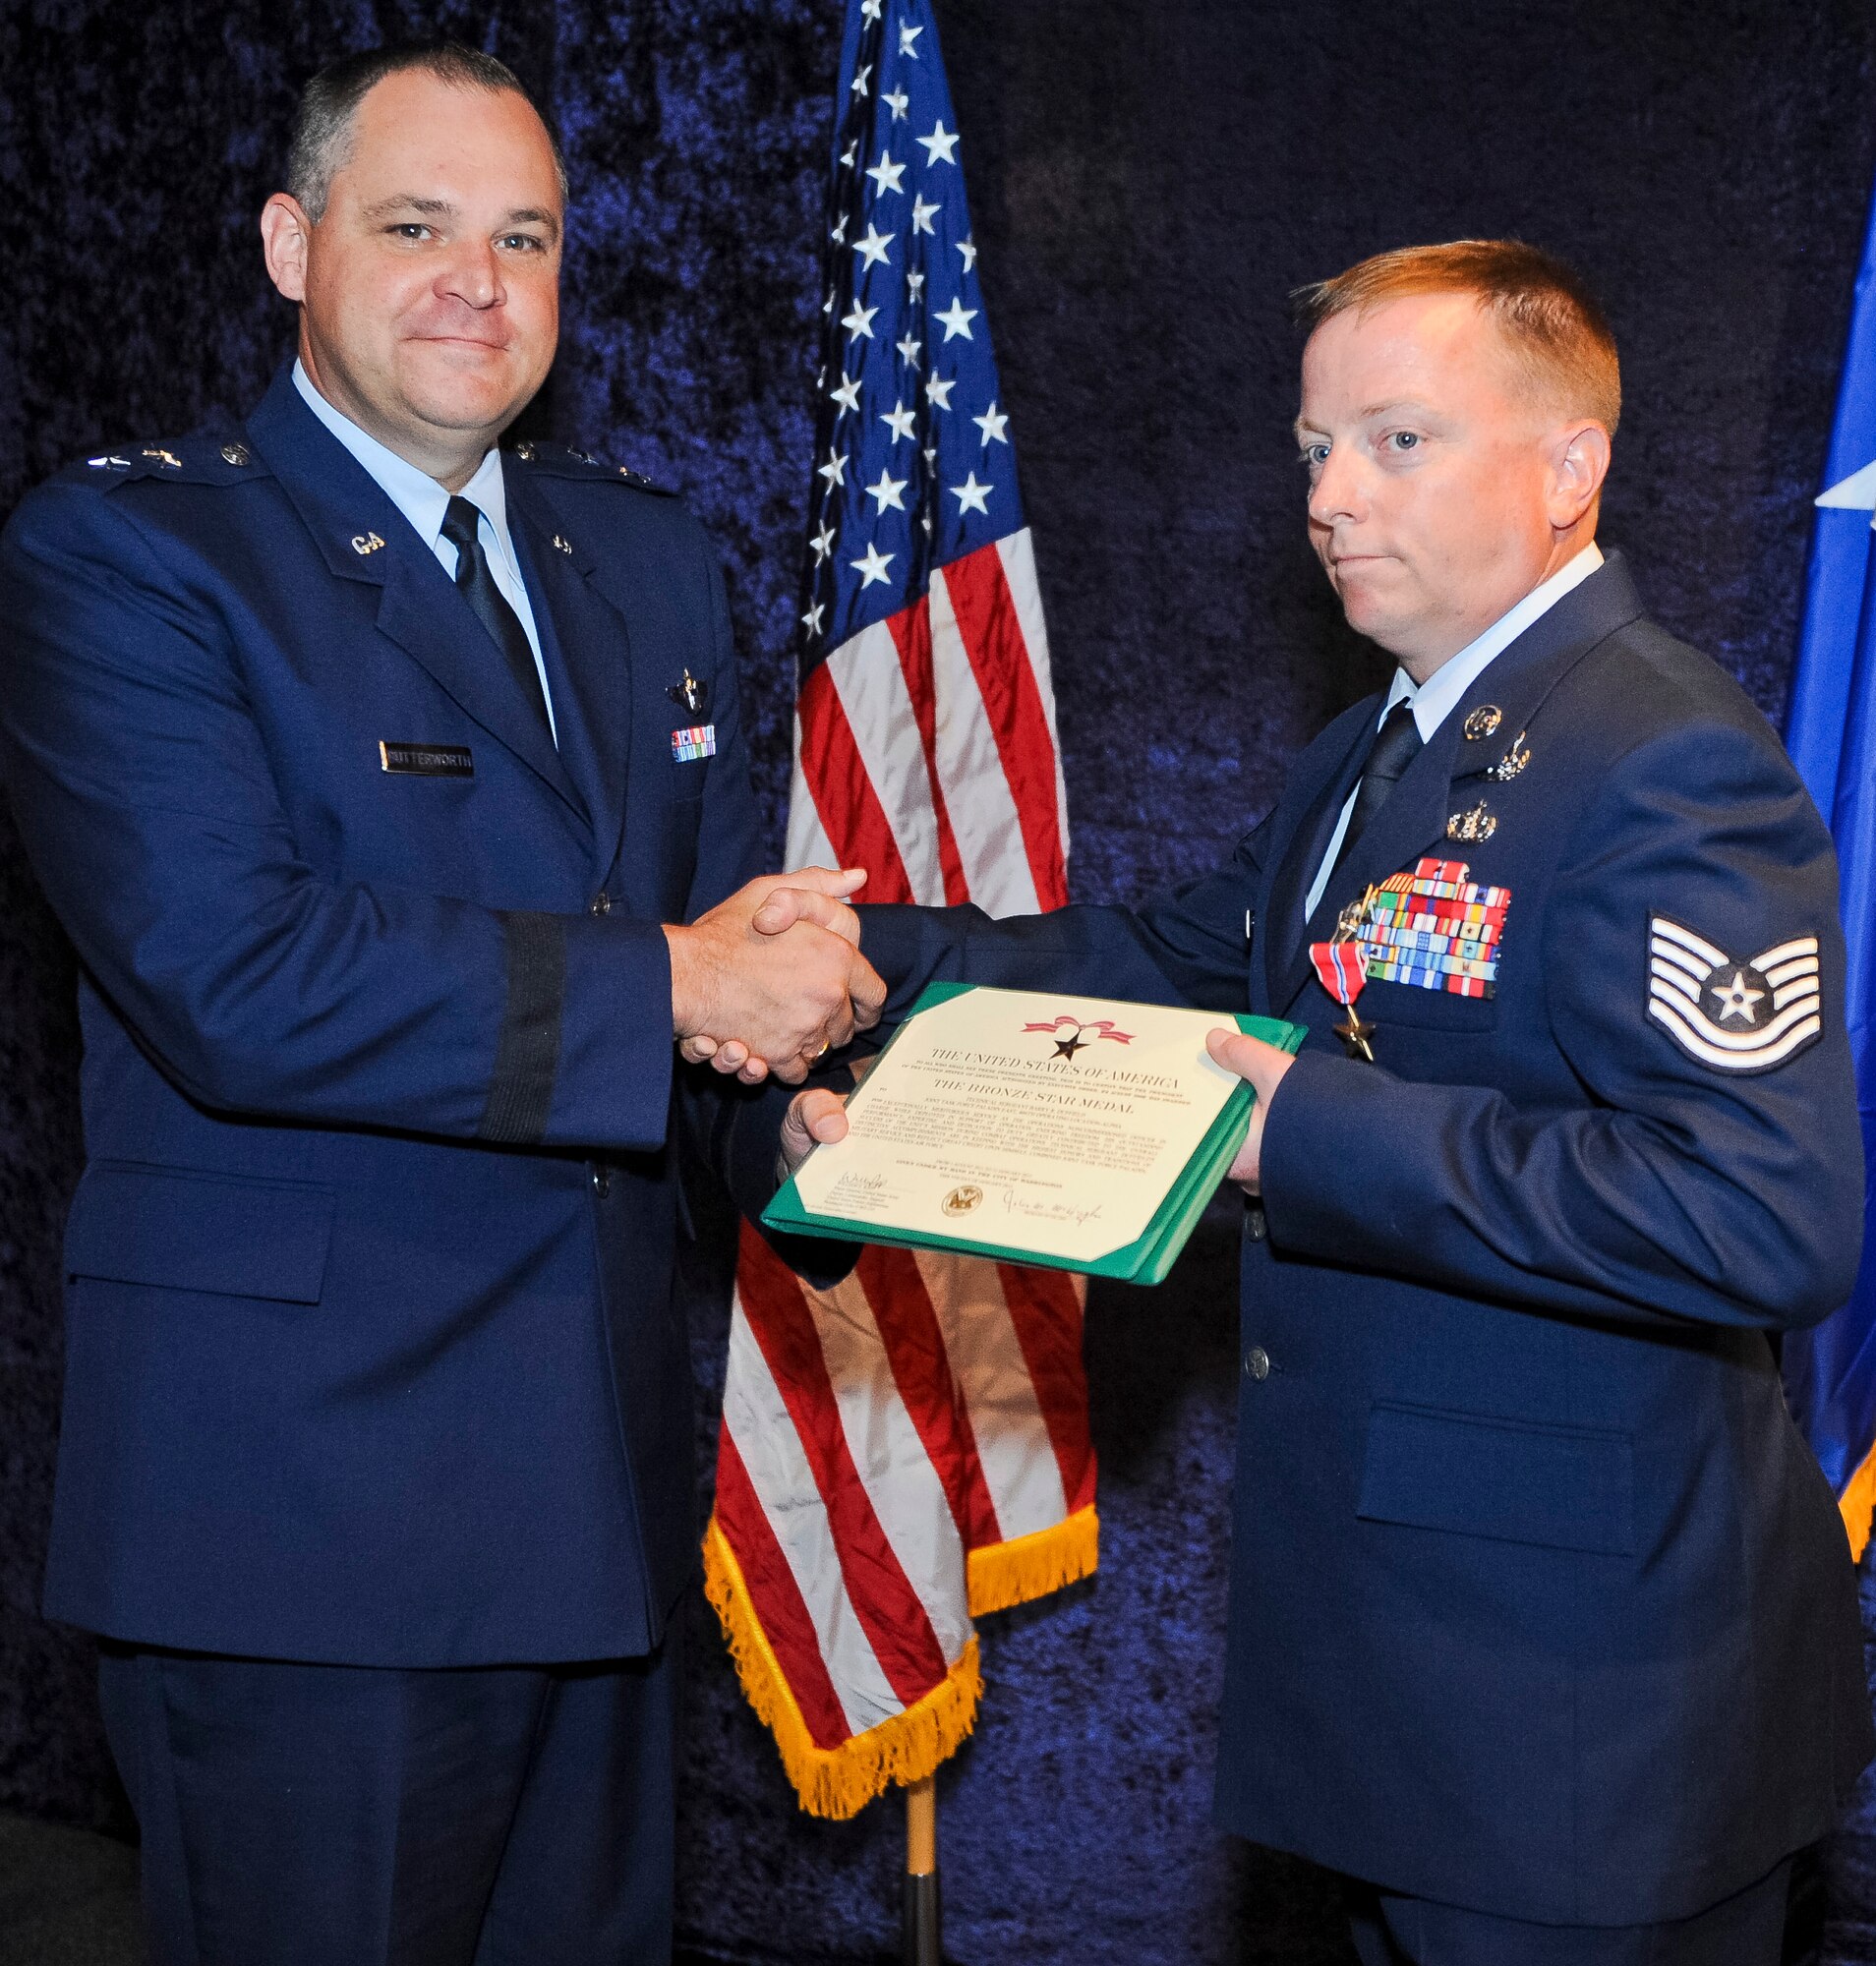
(167, 458)
(1516, 757)
(1483, 722)
(565, 544)
(1737, 1015)
(366, 543)
(1473, 826)
(692, 694)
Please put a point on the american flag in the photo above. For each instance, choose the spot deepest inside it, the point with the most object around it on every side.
(912, 1449)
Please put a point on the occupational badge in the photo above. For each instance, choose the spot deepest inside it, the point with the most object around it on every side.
(693, 695)
(1474, 827)
(1516, 757)
(1740, 1014)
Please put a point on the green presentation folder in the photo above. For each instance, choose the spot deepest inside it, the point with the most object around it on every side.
(1146, 1260)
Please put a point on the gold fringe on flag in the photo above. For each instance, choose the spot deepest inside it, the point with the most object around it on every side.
(837, 1782)
(1857, 1503)
(1012, 1573)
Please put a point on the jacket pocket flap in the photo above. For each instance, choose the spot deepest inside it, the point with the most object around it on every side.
(1565, 1488)
(133, 1224)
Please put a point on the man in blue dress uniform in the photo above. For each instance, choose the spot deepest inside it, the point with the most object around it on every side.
(1542, 1626)
(393, 791)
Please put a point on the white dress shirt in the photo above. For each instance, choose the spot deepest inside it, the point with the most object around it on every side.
(425, 503)
(1436, 699)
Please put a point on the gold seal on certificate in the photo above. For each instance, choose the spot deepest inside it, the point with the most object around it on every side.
(1034, 1126)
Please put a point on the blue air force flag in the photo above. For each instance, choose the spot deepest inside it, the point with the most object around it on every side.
(1830, 1372)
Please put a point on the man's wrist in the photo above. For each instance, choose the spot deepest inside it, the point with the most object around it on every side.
(686, 1011)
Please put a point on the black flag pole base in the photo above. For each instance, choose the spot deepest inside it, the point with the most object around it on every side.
(924, 1939)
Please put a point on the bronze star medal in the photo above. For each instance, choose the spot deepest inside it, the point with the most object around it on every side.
(1341, 967)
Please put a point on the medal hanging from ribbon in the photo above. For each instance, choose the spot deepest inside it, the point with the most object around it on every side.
(1341, 967)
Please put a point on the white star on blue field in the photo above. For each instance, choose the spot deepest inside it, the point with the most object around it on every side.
(913, 464)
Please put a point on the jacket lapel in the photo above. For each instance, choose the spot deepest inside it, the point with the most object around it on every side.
(588, 647)
(1450, 773)
(345, 509)
(1343, 747)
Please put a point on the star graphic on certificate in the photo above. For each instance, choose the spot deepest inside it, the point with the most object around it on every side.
(1067, 1047)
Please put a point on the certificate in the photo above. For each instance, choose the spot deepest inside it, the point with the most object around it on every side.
(1034, 1126)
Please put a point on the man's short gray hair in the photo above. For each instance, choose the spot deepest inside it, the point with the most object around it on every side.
(322, 128)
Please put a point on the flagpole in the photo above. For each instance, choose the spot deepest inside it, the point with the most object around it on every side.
(923, 1943)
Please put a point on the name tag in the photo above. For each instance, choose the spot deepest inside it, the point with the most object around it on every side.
(426, 761)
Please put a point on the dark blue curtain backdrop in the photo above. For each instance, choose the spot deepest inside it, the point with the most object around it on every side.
(1148, 182)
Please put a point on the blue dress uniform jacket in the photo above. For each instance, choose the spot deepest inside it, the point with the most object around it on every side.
(1539, 1607)
(372, 1352)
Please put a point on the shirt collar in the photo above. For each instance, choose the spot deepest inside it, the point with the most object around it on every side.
(1436, 699)
(415, 494)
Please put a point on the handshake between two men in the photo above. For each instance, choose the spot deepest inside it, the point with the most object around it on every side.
(773, 978)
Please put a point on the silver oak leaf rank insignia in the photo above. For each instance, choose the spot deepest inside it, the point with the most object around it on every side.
(1734, 1013)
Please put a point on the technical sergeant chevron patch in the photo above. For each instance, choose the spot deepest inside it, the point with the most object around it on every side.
(1734, 1015)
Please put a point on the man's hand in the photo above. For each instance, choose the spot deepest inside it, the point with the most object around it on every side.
(778, 964)
(815, 1118)
(1264, 1065)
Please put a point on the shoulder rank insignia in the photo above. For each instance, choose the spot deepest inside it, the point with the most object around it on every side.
(1735, 1014)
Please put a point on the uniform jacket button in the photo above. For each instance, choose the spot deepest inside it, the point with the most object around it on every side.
(1257, 1363)
(1254, 1220)
(601, 903)
(602, 1180)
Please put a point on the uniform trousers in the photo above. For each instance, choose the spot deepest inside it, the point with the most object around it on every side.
(309, 1815)
(1745, 1930)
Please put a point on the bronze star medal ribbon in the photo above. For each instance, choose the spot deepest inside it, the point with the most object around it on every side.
(1341, 967)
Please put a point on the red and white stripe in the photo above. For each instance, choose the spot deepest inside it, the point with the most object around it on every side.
(926, 747)
(875, 1436)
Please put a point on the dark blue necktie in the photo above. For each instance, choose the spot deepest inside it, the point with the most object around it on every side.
(461, 527)
(1397, 746)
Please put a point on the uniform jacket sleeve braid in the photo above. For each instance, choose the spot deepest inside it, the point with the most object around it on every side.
(144, 795)
(1670, 1189)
